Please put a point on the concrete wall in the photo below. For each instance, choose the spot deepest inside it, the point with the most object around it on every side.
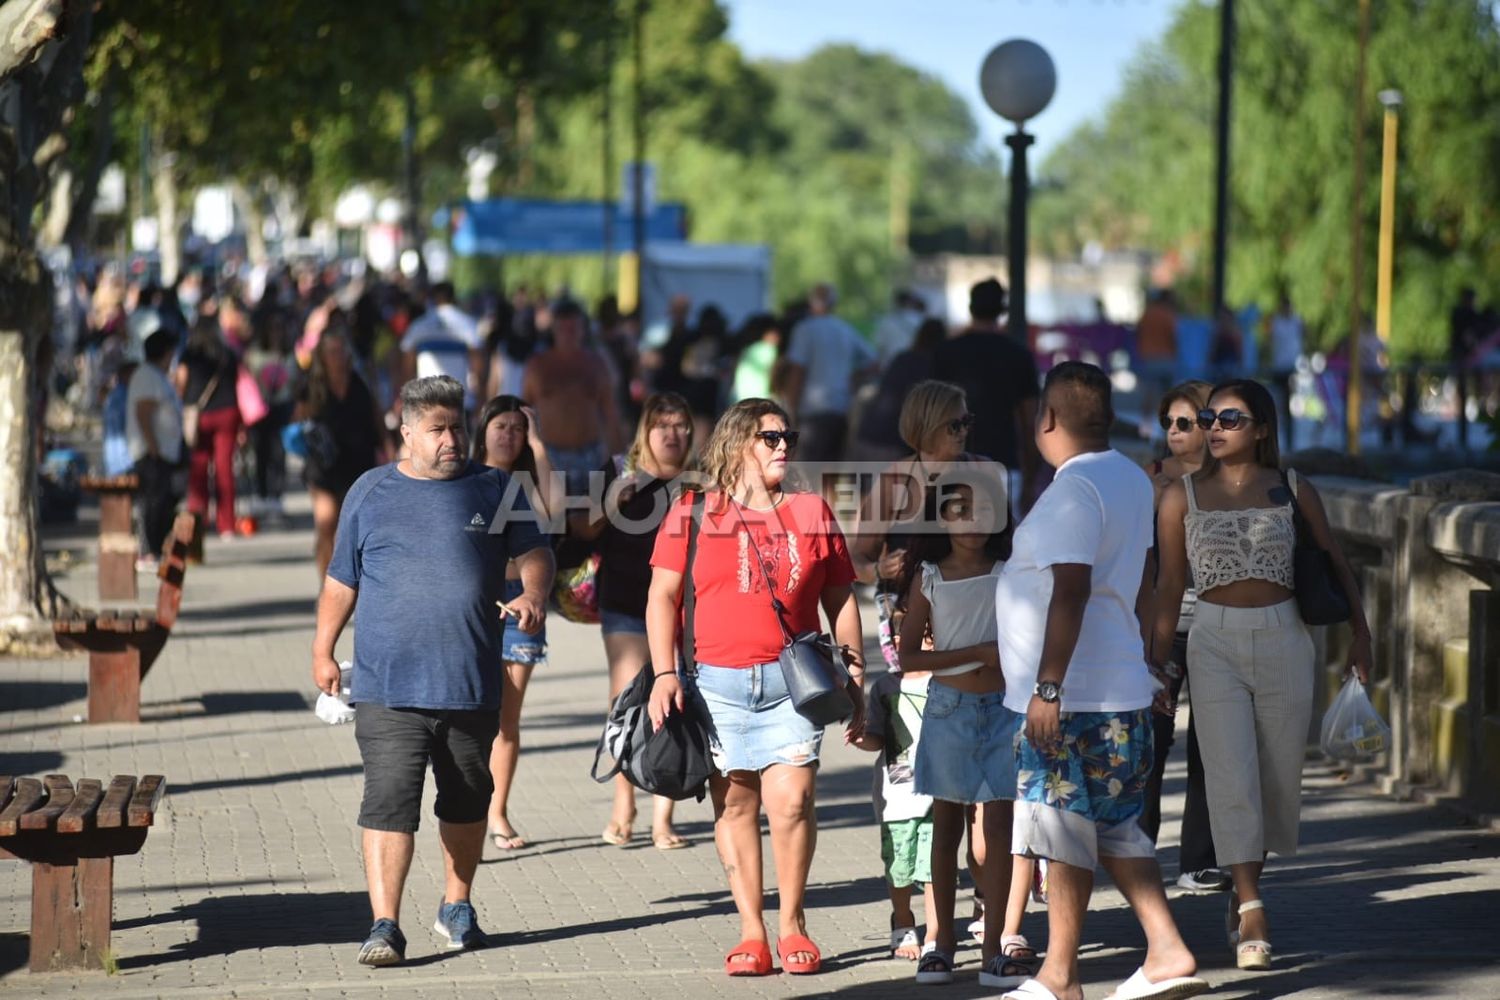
(1428, 558)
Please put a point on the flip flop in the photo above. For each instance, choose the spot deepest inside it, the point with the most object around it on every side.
(791, 946)
(512, 841)
(668, 842)
(616, 835)
(1138, 987)
(1031, 989)
(760, 959)
(904, 937)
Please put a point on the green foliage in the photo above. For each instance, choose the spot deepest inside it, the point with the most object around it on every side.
(1141, 176)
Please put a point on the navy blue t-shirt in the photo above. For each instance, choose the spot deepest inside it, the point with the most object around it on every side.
(427, 557)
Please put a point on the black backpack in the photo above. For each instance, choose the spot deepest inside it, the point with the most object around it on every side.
(675, 761)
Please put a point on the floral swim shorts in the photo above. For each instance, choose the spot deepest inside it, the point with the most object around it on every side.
(1099, 771)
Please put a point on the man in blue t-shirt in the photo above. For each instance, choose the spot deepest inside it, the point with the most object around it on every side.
(419, 560)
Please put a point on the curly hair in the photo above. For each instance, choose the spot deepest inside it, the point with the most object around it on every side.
(724, 454)
(657, 405)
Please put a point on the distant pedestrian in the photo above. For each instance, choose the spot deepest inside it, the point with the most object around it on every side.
(1287, 335)
(999, 379)
(1071, 651)
(574, 395)
(1156, 347)
(206, 381)
(153, 430)
(1465, 331)
(879, 435)
(506, 438)
(637, 493)
(444, 340)
(420, 563)
(1233, 525)
(825, 358)
(758, 544)
(897, 329)
(269, 359)
(755, 370)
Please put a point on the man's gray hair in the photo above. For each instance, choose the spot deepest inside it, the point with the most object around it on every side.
(423, 394)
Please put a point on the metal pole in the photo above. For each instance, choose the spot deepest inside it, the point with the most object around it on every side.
(1386, 261)
(607, 122)
(412, 223)
(1356, 239)
(1221, 166)
(639, 178)
(1020, 189)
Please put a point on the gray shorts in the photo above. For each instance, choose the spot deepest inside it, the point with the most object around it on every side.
(396, 745)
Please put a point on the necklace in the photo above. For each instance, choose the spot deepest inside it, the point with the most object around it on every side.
(775, 502)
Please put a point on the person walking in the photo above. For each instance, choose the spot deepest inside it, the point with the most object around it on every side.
(825, 358)
(420, 561)
(1187, 449)
(269, 358)
(1074, 664)
(1233, 525)
(761, 548)
(205, 380)
(624, 532)
(153, 432)
(878, 437)
(571, 387)
(342, 432)
(506, 438)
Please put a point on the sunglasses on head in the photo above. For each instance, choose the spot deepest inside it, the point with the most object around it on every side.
(960, 424)
(773, 439)
(1229, 418)
(1183, 424)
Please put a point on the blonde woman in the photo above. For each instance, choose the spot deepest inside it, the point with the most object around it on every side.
(635, 500)
(757, 543)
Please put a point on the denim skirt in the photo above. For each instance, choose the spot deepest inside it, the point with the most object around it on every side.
(966, 751)
(516, 646)
(754, 723)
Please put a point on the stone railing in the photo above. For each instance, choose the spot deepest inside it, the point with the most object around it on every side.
(1428, 560)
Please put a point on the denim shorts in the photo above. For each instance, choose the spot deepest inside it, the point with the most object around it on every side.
(516, 646)
(617, 623)
(966, 752)
(754, 723)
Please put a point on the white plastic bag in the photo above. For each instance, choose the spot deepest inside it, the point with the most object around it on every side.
(1352, 729)
(335, 709)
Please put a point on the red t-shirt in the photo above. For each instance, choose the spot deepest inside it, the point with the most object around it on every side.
(804, 550)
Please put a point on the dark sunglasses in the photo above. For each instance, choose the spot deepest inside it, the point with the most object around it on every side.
(773, 439)
(960, 424)
(1183, 424)
(1229, 418)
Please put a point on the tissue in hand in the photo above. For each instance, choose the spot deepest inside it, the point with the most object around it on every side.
(337, 710)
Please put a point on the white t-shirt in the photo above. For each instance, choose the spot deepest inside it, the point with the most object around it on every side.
(149, 382)
(1096, 512)
(832, 351)
(442, 338)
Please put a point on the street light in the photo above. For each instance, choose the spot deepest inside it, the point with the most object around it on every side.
(1017, 81)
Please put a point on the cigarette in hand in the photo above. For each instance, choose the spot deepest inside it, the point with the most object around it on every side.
(506, 609)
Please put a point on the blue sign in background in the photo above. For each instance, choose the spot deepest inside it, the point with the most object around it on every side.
(532, 225)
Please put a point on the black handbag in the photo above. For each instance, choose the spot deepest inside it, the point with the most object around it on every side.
(1321, 599)
(811, 663)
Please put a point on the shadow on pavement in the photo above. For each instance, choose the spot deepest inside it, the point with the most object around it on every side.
(34, 762)
(18, 696)
(225, 703)
(15, 950)
(301, 607)
(216, 784)
(229, 924)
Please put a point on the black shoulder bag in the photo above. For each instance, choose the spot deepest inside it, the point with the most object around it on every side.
(1320, 596)
(811, 663)
(675, 760)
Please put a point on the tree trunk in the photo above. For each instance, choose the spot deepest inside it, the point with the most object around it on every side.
(164, 191)
(247, 206)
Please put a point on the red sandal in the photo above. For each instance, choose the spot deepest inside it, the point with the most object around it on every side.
(760, 959)
(791, 946)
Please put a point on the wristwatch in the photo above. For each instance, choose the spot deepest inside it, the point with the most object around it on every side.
(1048, 691)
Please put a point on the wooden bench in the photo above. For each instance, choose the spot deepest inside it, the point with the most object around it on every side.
(117, 545)
(123, 644)
(72, 836)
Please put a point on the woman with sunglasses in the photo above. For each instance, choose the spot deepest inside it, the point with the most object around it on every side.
(1187, 450)
(1252, 657)
(757, 543)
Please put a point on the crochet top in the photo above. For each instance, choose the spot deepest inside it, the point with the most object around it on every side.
(1227, 546)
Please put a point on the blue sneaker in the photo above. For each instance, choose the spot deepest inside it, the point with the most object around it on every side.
(457, 923)
(386, 945)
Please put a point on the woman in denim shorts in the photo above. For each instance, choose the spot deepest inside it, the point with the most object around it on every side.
(757, 543)
(635, 501)
(506, 437)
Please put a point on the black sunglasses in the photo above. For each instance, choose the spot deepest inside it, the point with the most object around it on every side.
(960, 424)
(1229, 418)
(773, 439)
(1183, 424)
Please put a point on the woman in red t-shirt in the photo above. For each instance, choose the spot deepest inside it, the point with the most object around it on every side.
(763, 749)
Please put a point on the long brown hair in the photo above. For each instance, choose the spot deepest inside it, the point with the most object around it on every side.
(657, 405)
(724, 455)
(1262, 411)
(525, 461)
(318, 389)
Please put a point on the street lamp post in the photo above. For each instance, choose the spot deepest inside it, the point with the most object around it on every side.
(1017, 81)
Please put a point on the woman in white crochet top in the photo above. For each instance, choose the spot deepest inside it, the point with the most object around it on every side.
(1251, 653)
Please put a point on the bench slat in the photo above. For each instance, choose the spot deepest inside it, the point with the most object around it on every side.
(79, 816)
(147, 797)
(28, 794)
(59, 797)
(112, 810)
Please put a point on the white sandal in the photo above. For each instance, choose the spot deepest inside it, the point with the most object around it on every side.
(904, 937)
(1253, 954)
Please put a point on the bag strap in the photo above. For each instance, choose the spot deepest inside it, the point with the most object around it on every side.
(690, 598)
(599, 752)
(1299, 520)
(208, 390)
(765, 575)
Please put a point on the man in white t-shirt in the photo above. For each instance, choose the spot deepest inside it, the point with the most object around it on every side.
(153, 433)
(825, 357)
(1071, 650)
(445, 341)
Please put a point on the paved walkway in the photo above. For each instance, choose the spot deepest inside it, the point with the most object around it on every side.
(251, 883)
